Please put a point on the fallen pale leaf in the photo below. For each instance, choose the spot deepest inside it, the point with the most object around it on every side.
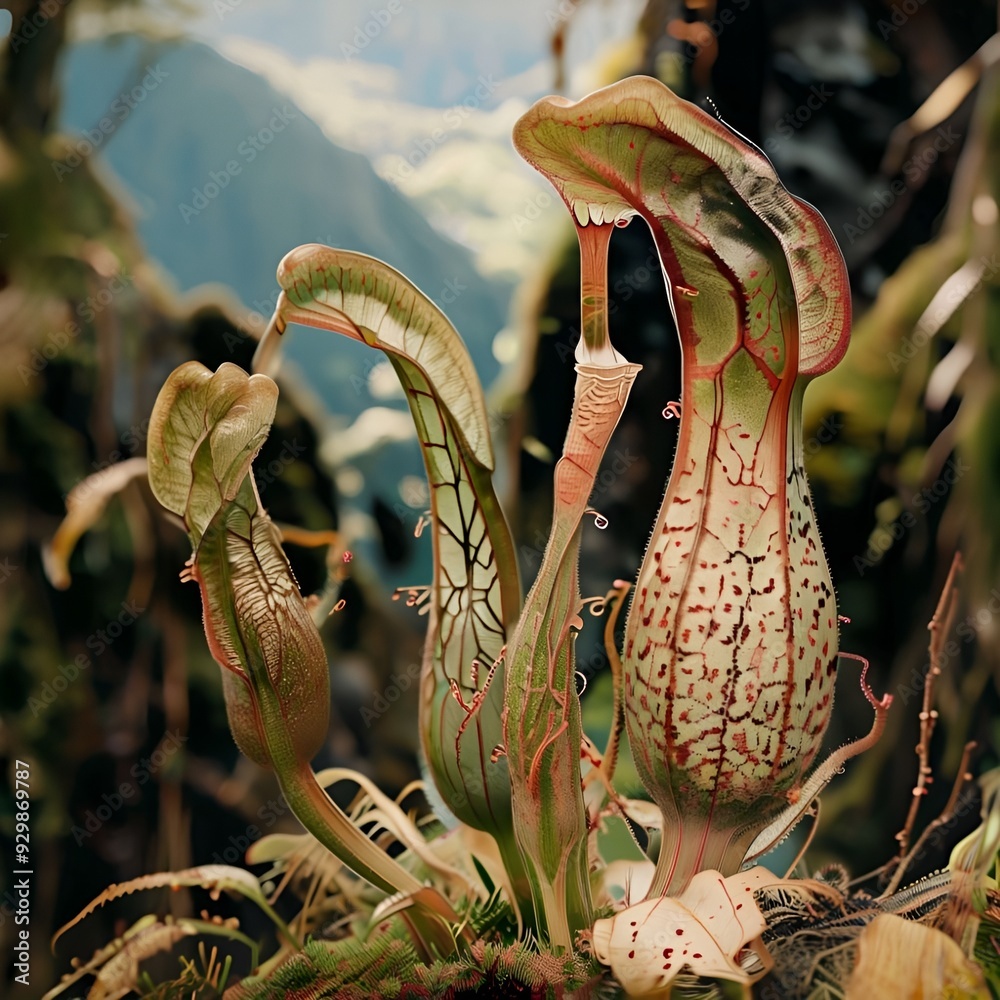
(703, 930)
(910, 961)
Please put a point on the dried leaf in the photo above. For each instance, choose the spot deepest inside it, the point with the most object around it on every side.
(85, 505)
(906, 960)
(119, 976)
(392, 818)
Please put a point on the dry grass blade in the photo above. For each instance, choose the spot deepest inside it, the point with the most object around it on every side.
(941, 104)
(214, 878)
(119, 976)
(392, 818)
(99, 958)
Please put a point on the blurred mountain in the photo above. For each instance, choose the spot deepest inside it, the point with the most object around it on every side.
(224, 176)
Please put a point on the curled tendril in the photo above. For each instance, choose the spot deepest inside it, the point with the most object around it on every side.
(600, 521)
(422, 522)
(416, 596)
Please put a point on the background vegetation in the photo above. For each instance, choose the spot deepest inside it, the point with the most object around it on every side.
(114, 117)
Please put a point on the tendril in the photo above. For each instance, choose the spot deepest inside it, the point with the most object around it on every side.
(422, 522)
(416, 596)
(600, 521)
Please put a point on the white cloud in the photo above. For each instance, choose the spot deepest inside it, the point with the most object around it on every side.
(374, 427)
(457, 164)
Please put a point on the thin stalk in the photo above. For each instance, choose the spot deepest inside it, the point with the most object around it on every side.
(320, 815)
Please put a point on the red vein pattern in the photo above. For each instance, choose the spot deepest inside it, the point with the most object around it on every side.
(731, 640)
(475, 592)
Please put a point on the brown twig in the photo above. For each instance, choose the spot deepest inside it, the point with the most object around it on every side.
(939, 627)
(946, 816)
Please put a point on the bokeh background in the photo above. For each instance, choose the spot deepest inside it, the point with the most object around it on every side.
(158, 159)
